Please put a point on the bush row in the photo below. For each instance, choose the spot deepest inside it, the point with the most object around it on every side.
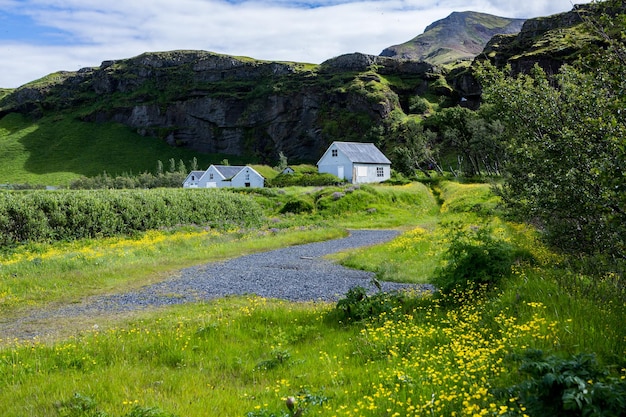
(69, 215)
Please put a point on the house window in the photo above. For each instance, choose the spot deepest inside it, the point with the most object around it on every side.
(211, 176)
(380, 172)
(334, 152)
(193, 178)
(247, 176)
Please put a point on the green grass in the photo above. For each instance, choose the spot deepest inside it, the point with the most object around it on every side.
(44, 273)
(245, 355)
(45, 151)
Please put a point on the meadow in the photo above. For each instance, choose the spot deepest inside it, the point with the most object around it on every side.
(485, 349)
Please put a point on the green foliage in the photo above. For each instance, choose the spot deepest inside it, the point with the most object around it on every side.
(472, 137)
(303, 179)
(566, 147)
(418, 105)
(567, 387)
(297, 206)
(357, 305)
(68, 215)
(83, 406)
(473, 258)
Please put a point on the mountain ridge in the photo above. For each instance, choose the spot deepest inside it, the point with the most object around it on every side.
(459, 36)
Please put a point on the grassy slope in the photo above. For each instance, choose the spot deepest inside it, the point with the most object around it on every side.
(55, 150)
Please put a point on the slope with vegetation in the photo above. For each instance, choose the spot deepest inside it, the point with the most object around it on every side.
(459, 37)
(506, 303)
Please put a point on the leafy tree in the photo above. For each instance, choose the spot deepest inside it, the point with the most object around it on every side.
(475, 139)
(566, 155)
(416, 149)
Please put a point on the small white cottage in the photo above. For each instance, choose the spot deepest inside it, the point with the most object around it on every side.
(193, 179)
(217, 176)
(355, 162)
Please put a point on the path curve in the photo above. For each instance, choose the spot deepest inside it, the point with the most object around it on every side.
(294, 273)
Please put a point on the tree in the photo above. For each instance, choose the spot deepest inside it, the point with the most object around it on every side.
(566, 156)
(416, 149)
(476, 140)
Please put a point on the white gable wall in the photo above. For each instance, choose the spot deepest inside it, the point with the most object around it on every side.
(338, 165)
(193, 179)
(212, 178)
(248, 177)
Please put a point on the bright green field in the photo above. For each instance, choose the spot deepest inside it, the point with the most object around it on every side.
(56, 150)
(243, 356)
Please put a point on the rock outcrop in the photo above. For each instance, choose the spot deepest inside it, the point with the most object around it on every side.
(222, 104)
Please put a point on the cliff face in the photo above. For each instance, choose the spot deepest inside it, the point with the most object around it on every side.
(223, 104)
(548, 41)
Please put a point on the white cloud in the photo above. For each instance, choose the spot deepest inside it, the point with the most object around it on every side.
(263, 29)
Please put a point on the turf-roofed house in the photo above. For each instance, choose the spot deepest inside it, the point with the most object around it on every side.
(358, 163)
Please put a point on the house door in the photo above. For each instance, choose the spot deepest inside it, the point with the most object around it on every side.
(340, 173)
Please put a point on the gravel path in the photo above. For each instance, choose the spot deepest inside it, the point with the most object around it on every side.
(296, 273)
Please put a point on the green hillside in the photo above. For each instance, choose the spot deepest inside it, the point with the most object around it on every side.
(460, 36)
(57, 149)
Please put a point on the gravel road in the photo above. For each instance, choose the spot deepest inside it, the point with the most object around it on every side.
(295, 273)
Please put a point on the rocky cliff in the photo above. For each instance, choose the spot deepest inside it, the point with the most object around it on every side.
(548, 41)
(223, 104)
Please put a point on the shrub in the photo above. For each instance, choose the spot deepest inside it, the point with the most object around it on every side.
(68, 215)
(303, 180)
(358, 305)
(297, 206)
(567, 387)
(474, 257)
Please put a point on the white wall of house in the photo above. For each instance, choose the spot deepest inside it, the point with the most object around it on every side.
(248, 177)
(211, 179)
(368, 173)
(336, 163)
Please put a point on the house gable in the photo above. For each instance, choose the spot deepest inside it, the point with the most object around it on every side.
(193, 179)
(355, 162)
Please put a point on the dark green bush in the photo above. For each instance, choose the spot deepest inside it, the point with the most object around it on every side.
(474, 258)
(68, 215)
(358, 305)
(303, 180)
(566, 387)
(297, 206)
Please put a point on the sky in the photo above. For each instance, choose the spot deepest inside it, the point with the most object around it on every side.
(39, 37)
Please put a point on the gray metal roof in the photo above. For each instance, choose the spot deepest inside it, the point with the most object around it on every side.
(364, 153)
(228, 171)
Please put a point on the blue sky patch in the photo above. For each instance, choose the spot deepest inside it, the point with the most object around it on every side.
(20, 28)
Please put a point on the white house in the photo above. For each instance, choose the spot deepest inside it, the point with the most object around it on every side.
(193, 179)
(355, 162)
(217, 176)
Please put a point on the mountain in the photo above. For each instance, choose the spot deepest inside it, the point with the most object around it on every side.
(460, 36)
